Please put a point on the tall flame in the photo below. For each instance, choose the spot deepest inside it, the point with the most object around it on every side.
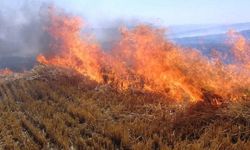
(240, 49)
(145, 60)
(74, 52)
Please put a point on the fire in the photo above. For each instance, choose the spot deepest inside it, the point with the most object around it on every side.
(144, 60)
(145, 51)
(75, 52)
(240, 48)
(5, 71)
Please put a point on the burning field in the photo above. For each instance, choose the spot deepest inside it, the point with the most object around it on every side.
(146, 92)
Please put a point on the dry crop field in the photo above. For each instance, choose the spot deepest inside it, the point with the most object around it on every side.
(54, 108)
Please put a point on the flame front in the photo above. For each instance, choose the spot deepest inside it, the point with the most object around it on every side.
(74, 52)
(6, 71)
(144, 60)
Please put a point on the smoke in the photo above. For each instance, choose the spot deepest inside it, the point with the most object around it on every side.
(108, 32)
(22, 32)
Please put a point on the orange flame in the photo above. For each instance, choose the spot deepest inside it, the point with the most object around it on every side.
(240, 48)
(144, 60)
(75, 52)
(6, 71)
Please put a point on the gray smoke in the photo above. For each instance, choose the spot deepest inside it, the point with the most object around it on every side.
(22, 32)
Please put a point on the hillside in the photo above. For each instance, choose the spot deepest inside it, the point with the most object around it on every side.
(54, 108)
(206, 43)
(184, 31)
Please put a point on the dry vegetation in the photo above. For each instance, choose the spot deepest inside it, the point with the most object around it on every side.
(50, 108)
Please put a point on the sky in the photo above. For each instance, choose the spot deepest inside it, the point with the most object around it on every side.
(166, 12)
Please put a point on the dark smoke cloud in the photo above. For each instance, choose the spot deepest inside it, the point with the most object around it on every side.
(22, 32)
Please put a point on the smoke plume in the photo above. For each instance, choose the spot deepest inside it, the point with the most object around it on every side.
(22, 34)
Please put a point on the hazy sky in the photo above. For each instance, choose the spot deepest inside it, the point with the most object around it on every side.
(166, 12)
(169, 12)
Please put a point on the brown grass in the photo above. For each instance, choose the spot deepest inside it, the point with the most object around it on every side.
(54, 108)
